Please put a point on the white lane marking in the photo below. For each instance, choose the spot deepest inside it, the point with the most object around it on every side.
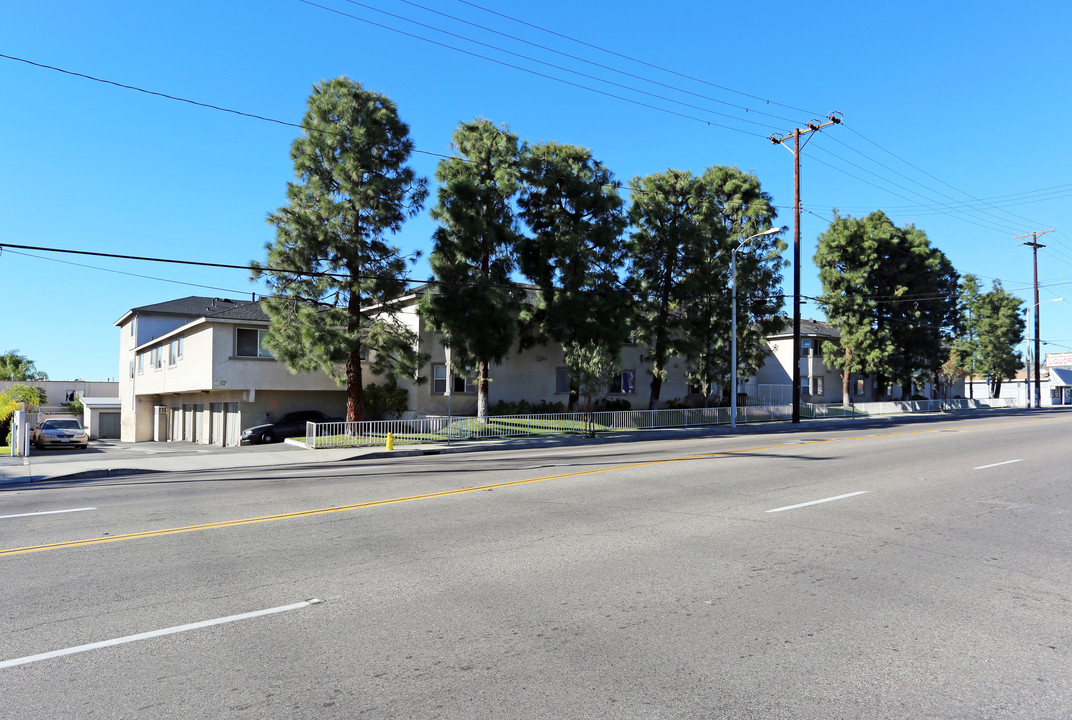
(45, 512)
(1007, 462)
(155, 633)
(816, 502)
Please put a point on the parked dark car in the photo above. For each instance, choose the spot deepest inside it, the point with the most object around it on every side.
(57, 432)
(291, 424)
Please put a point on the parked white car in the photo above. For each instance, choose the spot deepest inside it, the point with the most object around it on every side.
(58, 432)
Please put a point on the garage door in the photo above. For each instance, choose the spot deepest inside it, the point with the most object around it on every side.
(108, 424)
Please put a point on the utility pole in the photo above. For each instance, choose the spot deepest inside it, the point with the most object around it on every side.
(832, 119)
(1034, 245)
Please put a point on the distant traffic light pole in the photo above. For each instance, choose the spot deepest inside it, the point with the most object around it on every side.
(1034, 245)
(832, 119)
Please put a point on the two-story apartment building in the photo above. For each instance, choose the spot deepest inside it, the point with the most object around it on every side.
(196, 369)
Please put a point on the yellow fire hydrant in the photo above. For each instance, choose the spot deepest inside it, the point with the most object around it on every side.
(390, 441)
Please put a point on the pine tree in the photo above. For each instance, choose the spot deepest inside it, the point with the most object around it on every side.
(330, 260)
(575, 253)
(475, 302)
(891, 296)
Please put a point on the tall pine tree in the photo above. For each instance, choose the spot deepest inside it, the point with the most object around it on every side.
(331, 260)
(574, 255)
(475, 302)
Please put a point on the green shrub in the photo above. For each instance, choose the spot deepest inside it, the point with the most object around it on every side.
(524, 407)
(385, 402)
(678, 404)
(612, 405)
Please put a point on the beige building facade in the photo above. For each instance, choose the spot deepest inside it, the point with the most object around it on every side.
(196, 369)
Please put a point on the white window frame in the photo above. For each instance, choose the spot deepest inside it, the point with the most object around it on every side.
(262, 352)
(461, 385)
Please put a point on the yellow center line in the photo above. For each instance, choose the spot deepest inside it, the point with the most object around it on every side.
(459, 491)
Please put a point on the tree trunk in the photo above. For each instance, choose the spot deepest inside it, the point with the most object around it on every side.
(482, 391)
(656, 387)
(355, 392)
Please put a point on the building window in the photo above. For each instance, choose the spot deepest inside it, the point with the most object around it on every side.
(805, 347)
(174, 353)
(459, 383)
(131, 368)
(141, 363)
(156, 358)
(249, 342)
(817, 385)
(561, 380)
(859, 386)
(622, 384)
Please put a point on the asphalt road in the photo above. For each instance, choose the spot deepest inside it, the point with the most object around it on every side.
(699, 578)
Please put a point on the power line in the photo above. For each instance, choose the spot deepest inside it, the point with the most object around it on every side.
(552, 65)
(581, 59)
(120, 272)
(635, 60)
(530, 71)
(188, 101)
(920, 170)
(934, 208)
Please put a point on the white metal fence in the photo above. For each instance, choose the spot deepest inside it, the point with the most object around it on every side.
(421, 431)
(443, 429)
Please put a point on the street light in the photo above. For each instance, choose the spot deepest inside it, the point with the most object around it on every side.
(1038, 376)
(733, 339)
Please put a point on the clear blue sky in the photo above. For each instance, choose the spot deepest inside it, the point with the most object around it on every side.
(956, 119)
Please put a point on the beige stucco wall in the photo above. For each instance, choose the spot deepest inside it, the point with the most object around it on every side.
(208, 372)
(530, 375)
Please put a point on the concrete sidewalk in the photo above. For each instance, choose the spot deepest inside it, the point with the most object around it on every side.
(109, 458)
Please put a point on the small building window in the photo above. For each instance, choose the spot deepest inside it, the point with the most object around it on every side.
(458, 383)
(249, 342)
(561, 381)
(622, 384)
(817, 385)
